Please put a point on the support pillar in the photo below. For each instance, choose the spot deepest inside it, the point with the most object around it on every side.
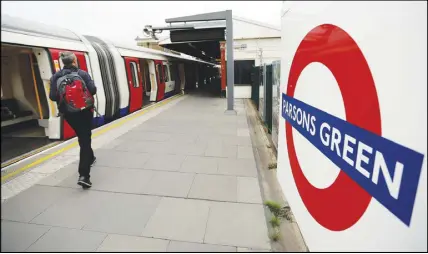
(223, 68)
(230, 63)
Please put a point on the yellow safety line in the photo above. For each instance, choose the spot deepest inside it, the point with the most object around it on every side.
(114, 125)
(35, 86)
(41, 149)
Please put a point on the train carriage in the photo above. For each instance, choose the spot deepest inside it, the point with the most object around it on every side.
(127, 77)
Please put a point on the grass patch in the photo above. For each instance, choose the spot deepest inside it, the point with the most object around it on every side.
(274, 208)
(275, 236)
(275, 221)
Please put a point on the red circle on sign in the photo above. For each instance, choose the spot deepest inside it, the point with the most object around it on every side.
(343, 203)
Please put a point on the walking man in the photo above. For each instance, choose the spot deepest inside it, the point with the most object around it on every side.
(73, 90)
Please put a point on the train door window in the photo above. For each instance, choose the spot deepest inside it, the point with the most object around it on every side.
(166, 73)
(147, 77)
(173, 71)
(159, 72)
(61, 64)
(143, 76)
(134, 75)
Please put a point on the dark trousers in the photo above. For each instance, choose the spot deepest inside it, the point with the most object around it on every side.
(81, 122)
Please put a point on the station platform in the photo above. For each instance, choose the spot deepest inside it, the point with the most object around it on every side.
(179, 176)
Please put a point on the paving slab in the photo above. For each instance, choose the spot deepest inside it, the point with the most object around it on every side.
(220, 150)
(237, 167)
(113, 179)
(175, 246)
(17, 236)
(56, 164)
(239, 141)
(228, 224)
(146, 136)
(150, 147)
(200, 164)
(249, 190)
(20, 184)
(189, 149)
(121, 159)
(214, 187)
(172, 184)
(59, 176)
(112, 144)
(74, 210)
(68, 240)
(122, 180)
(126, 243)
(245, 152)
(179, 219)
(168, 162)
(31, 202)
(188, 138)
(243, 132)
(123, 214)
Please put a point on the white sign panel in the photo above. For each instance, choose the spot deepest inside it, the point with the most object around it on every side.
(353, 124)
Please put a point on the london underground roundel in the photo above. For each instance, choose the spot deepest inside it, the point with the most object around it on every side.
(371, 166)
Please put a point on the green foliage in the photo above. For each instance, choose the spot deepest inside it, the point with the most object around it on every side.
(274, 208)
(275, 236)
(275, 221)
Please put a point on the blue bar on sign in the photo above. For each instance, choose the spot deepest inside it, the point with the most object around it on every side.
(388, 171)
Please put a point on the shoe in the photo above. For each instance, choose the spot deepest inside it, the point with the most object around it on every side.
(84, 182)
(93, 161)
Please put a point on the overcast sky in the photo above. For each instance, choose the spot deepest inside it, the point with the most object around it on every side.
(125, 20)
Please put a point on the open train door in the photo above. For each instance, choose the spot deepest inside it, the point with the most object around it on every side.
(145, 76)
(66, 131)
(153, 80)
(181, 74)
(160, 80)
(133, 74)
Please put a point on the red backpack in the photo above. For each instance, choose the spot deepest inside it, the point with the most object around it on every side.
(74, 93)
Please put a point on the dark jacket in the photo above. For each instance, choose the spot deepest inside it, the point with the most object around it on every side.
(53, 95)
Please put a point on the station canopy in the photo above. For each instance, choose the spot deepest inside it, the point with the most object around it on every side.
(196, 35)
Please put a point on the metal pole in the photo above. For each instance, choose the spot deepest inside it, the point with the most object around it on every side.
(223, 68)
(230, 61)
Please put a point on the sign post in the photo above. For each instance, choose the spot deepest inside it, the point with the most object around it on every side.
(223, 68)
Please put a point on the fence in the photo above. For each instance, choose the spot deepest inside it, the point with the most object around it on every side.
(265, 91)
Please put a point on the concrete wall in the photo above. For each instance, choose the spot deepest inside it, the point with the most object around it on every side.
(269, 47)
(245, 28)
(242, 92)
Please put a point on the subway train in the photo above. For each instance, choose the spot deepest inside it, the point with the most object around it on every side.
(127, 77)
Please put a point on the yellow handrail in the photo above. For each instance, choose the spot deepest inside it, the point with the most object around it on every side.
(35, 86)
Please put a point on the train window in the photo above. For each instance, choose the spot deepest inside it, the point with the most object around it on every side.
(61, 64)
(160, 74)
(134, 75)
(166, 73)
(147, 77)
(143, 77)
(173, 72)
